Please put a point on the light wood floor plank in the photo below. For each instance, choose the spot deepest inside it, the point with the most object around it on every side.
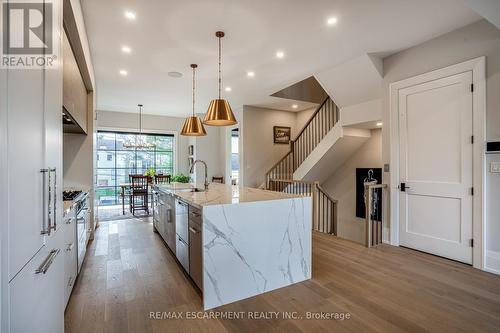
(129, 273)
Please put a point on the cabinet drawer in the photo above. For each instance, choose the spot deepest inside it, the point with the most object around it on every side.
(195, 214)
(36, 293)
(70, 269)
(195, 253)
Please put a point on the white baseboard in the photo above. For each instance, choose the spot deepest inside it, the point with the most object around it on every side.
(386, 234)
(492, 262)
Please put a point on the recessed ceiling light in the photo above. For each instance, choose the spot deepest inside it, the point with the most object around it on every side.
(280, 54)
(379, 124)
(295, 106)
(123, 72)
(175, 74)
(228, 89)
(126, 49)
(332, 21)
(130, 15)
(251, 74)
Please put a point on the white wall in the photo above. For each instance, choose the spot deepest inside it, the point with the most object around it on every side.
(209, 149)
(475, 40)
(363, 113)
(260, 152)
(342, 187)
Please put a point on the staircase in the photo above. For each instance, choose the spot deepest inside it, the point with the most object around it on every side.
(319, 125)
(322, 146)
(281, 176)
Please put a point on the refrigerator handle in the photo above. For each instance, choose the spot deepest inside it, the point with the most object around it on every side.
(45, 229)
(54, 200)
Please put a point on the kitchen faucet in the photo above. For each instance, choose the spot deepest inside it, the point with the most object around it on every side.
(205, 164)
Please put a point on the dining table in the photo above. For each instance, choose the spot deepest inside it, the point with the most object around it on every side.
(124, 187)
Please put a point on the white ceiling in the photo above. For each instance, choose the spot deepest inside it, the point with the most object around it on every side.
(169, 35)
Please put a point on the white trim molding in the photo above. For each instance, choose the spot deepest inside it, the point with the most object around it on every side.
(492, 262)
(478, 68)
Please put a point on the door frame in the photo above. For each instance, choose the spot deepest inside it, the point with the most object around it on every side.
(478, 68)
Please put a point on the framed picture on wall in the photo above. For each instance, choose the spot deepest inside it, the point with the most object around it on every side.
(190, 150)
(281, 134)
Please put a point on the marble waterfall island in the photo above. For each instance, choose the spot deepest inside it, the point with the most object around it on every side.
(254, 241)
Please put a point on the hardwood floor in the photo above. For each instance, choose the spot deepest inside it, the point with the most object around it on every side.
(129, 273)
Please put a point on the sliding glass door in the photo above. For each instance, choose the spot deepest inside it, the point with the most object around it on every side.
(115, 162)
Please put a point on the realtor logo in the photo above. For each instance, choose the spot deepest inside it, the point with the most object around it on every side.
(27, 34)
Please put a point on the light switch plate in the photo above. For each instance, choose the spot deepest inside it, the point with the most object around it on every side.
(495, 167)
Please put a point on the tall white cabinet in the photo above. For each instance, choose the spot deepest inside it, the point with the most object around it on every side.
(32, 265)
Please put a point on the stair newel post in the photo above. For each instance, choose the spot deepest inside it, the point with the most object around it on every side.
(315, 204)
(368, 227)
(292, 151)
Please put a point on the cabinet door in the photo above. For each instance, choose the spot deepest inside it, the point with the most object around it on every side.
(25, 151)
(161, 217)
(53, 120)
(75, 92)
(70, 255)
(195, 253)
(36, 299)
(170, 225)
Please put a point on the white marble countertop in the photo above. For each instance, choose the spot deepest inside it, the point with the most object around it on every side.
(222, 194)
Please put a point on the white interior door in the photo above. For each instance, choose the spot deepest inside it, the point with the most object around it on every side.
(435, 127)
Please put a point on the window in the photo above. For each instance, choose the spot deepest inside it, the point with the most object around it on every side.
(115, 162)
(235, 163)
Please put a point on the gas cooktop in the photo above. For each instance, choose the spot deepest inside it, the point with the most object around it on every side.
(70, 195)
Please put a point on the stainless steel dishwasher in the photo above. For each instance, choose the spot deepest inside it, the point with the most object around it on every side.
(182, 233)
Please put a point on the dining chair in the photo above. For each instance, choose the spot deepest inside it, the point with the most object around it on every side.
(139, 193)
(162, 179)
(217, 179)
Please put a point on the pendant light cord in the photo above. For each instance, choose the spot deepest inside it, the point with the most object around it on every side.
(193, 87)
(140, 119)
(220, 80)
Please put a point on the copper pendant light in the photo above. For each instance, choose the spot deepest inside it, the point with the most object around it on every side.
(192, 125)
(219, 111)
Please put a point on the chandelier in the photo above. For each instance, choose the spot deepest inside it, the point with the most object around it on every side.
(140, 141)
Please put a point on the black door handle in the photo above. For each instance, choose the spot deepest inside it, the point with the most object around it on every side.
(403, 187)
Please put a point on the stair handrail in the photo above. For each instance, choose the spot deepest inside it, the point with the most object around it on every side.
(324, 207)
(311, 119)
(326, 194)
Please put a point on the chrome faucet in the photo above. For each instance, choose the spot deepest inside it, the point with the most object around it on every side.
(206, 176)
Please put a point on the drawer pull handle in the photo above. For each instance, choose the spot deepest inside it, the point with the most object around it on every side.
(193, 230)
(44, 267)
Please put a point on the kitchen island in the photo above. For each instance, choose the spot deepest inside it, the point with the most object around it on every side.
(240, 242)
